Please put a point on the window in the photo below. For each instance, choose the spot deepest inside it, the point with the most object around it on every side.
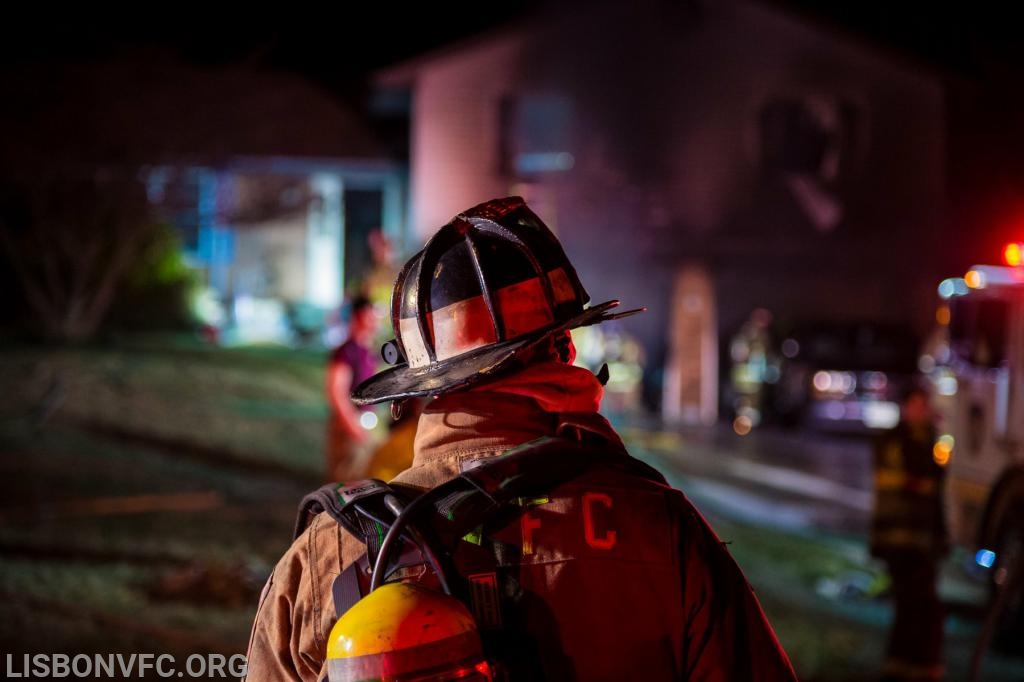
(978, 330)
(535, 135)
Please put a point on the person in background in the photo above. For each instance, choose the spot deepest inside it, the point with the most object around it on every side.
(350, 364)
(380, 274)
(908, 532)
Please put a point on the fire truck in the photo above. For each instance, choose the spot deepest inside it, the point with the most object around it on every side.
(976, 364)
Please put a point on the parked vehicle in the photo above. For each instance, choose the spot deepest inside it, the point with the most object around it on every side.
(845, 377)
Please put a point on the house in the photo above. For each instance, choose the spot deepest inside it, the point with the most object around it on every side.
(706, 159)
(272, 183)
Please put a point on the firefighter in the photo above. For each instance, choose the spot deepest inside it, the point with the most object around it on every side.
(908, 532)
(608, 575)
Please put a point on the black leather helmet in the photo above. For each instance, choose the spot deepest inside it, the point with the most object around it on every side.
(489, 284)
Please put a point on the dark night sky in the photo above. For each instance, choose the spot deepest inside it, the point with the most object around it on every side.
(974, 40)
(326, 43)
(966, 39)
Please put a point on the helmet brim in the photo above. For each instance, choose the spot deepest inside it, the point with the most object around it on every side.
(460, 372)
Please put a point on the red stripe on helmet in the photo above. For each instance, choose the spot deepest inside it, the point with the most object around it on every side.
(467, 325)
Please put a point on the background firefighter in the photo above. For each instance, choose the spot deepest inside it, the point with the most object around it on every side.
(908, 531)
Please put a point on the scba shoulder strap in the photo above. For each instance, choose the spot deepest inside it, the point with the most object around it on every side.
(359, 506)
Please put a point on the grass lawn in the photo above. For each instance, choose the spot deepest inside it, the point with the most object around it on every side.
(144, 508)
(146, 489)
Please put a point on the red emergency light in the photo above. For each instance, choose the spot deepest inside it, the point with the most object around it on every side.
(1013, 254)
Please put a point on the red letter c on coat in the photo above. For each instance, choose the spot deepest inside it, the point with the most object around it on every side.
(607, 541)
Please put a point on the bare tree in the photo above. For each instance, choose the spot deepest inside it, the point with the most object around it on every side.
(70, 234)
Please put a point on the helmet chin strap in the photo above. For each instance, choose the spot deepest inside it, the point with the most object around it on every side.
(566, 351)
(565, 348)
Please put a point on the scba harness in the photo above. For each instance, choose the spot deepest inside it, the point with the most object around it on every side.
(439, 538)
